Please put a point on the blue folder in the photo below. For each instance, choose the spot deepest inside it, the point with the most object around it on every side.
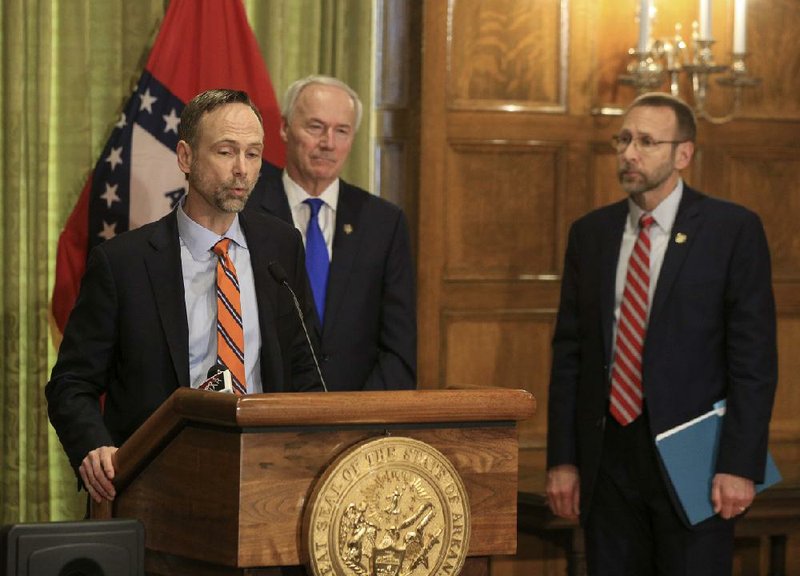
(689, 453)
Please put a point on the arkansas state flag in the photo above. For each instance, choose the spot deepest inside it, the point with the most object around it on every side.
(202, 44)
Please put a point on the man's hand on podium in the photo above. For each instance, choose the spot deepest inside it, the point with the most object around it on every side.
(97, 473)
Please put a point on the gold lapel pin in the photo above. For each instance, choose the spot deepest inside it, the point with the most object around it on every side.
(348, 228)
(680, 238)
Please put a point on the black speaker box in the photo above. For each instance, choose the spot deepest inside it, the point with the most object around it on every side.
(86, 548)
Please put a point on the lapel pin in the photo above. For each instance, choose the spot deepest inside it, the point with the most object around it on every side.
(680, 238)
(348, 228)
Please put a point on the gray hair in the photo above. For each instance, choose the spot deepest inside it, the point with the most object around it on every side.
(293, 93)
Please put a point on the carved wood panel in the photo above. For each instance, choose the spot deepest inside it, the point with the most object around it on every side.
(504, 348)
(504, 54)
(763, 179)
(785, 425)
(605, 184)
(500, 209)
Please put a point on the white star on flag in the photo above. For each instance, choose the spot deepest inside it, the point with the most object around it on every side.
(110, 195)
(115, 157)
(172, 121)
(147, 101)
(109, 231)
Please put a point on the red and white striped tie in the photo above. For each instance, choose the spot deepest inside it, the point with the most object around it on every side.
(626, 373)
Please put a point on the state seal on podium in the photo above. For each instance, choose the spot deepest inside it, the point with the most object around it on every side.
(391, 506)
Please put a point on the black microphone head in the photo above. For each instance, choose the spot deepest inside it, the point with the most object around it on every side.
(215, 369)
(215, 378)
(277, 272)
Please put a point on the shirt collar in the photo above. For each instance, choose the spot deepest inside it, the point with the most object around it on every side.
(664, 214)
(200, 240)
(296, 195)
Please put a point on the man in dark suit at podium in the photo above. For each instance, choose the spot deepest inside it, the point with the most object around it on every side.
(162, 304)
(666, 308)
(357, 246)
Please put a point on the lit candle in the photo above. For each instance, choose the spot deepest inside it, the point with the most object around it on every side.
(644, 26)
(740, 27)
(705, 19)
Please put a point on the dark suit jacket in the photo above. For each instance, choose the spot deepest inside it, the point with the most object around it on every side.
(711, 335)
(369, 339)
(127, 336)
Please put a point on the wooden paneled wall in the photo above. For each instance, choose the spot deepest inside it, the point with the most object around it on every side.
(513, 149)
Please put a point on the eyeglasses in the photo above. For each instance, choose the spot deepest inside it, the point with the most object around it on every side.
(644, 144)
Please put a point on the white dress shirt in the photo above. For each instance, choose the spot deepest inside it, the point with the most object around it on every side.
(301, 212)
(199, 265)
(660, 232)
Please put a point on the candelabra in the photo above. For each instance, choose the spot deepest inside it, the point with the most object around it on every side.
(668, 58)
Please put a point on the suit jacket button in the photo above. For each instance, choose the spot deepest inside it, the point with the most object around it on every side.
(601, 422)
(324, 358)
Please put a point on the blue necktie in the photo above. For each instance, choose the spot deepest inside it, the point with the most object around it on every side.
(317, 262)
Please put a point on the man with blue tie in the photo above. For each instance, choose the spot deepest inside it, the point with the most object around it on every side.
(666, 308)
(358, 253)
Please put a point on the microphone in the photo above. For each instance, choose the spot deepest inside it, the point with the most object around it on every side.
(279, 275)
(218, 379)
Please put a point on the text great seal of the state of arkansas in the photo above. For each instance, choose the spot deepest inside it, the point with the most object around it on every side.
(388, 507)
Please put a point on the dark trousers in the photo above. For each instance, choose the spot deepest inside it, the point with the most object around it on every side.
(632, 528)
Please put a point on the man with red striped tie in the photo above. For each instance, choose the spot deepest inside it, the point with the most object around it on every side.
(162, 303)
(666, 308)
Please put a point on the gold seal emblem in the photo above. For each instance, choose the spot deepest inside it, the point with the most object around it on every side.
(388, 507)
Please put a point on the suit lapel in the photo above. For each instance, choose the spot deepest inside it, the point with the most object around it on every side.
(273, 199)
(261, 254)
(611, 243)
(166, 279)
(346, 242)
(684, 231)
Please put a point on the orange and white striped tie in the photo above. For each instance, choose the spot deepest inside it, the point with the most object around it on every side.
(626, 373)
(230, 335)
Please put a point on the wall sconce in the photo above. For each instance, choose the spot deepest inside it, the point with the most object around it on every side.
(654, 62)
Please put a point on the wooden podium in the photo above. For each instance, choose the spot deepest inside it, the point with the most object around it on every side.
(220, 482)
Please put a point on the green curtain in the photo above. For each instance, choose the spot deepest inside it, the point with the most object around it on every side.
(302, 37)
(66, 67)
(23, 163)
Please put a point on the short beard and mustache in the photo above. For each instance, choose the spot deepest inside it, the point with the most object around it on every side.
(646, 182)
(219, 195)
(230, 203)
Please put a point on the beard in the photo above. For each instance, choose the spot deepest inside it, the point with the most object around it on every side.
(228, 201)
(635, 181)
(222, 195)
